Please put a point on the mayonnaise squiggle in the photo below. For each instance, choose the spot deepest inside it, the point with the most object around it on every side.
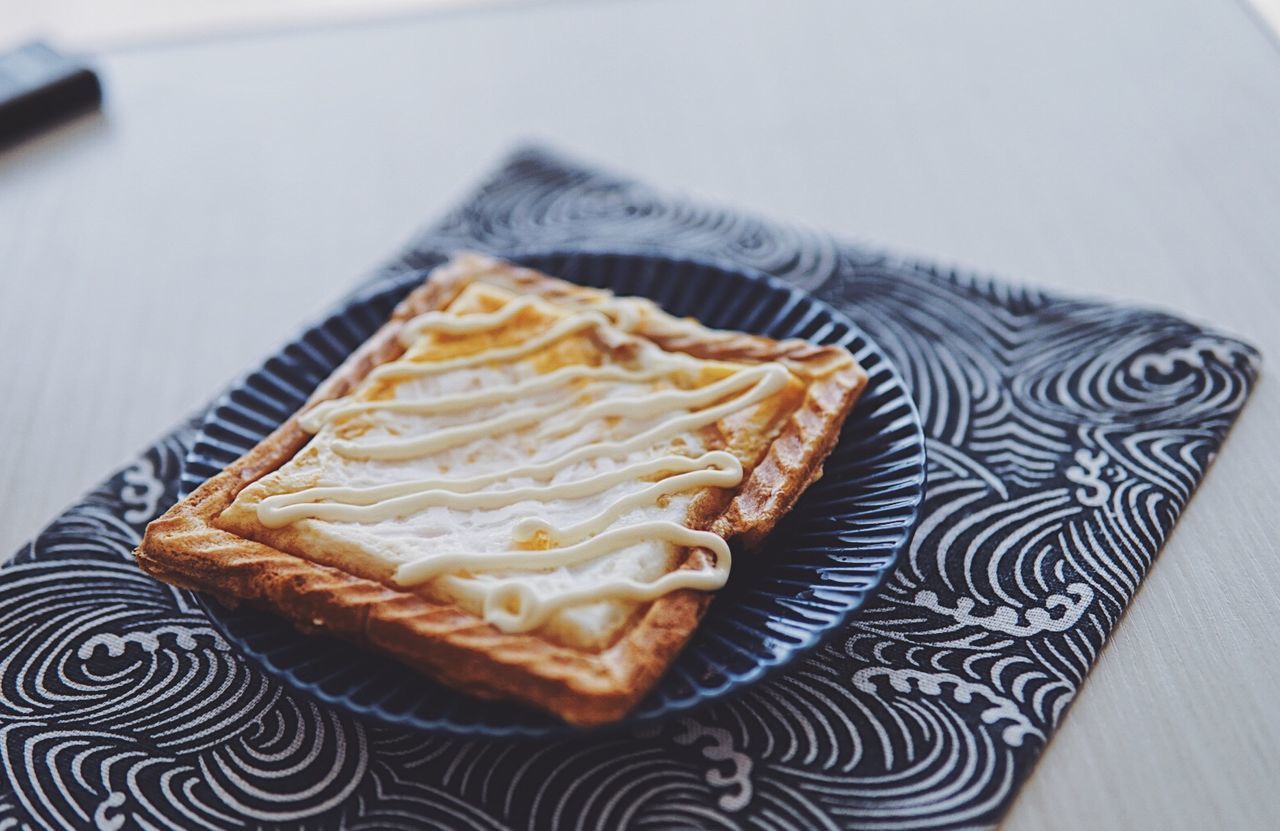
(408, 368)
(429, 322)
(725, 472)
(514, 606)
(447, 437)
(764, 380)
(509, 603)
(333, 412)
(710, 469)
(427, 568)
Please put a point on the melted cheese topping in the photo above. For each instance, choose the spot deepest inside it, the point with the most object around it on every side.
(507, 467)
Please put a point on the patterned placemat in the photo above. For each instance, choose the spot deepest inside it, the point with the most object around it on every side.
(1064, 437)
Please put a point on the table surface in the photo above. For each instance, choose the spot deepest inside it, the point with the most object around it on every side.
(234, 189)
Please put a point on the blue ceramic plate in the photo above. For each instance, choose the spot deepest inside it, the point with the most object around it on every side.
(819, 567)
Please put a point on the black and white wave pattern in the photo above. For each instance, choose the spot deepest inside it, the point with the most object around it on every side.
(1065, 437)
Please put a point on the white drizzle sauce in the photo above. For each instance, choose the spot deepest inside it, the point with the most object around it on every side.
(509, 603)
(570, 325)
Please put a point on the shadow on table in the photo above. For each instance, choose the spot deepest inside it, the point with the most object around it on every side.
(22, 151)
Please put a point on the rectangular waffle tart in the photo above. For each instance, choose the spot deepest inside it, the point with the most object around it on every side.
(521, 487)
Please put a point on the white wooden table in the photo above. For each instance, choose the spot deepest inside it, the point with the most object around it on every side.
(234, 189)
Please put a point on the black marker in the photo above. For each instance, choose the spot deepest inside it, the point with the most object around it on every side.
(40, 87)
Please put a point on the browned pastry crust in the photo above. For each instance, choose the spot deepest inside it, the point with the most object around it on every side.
(187, 548)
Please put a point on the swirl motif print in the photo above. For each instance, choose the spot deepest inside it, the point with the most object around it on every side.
(1064, 437)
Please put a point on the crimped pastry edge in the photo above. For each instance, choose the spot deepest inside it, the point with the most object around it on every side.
(185, 548)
